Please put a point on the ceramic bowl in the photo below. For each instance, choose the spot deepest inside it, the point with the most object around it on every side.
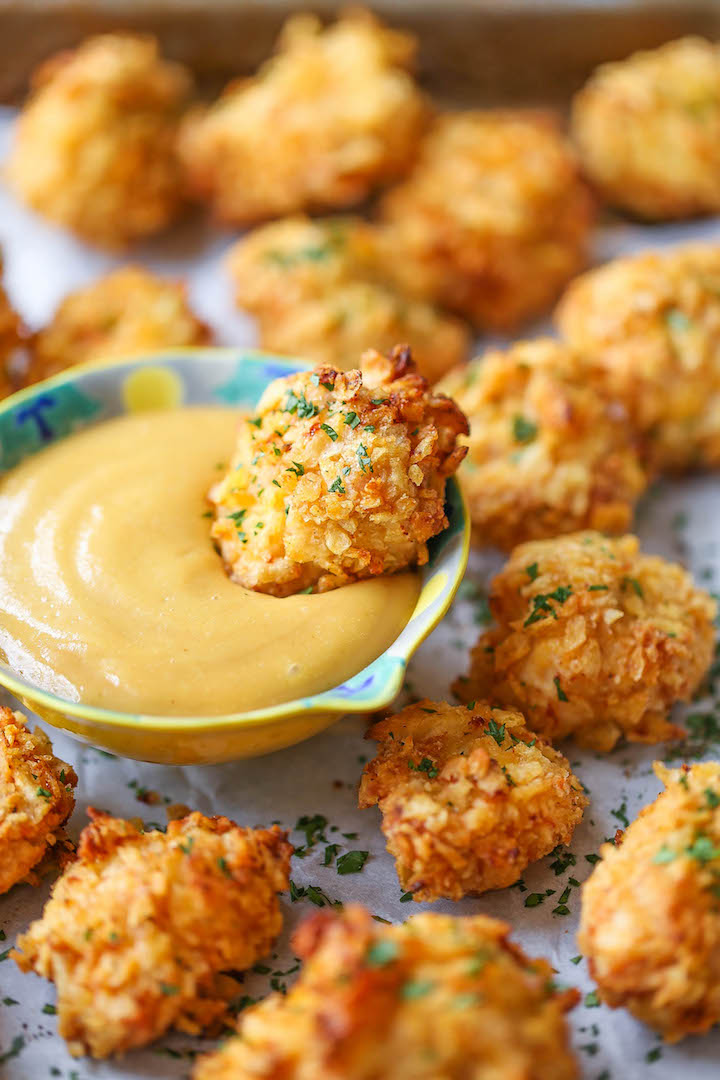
(81, 396)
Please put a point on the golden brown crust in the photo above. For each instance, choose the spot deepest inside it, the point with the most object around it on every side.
(652, 324)
(650, 923)
(340, 476)
(139, 930)
(129, 310)
(321, 290)
(648, 130)
(548, 454)
(593, 639)
(469, 797)
(11, 343)
(36, 798)
(95, 144)
(494, 219)
(437, 998)
(333, 114)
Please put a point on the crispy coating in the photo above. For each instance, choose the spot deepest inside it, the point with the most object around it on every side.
(321, 290)
(593, 639)
(493, 221)
(11, 343)
(129, 310)
(436, 998)
(650, 923)
(469, 797)
(652, 324)
(548, 453)
(648, 130)
(95, 145)
(36, 798)
(139, 930)
(333, 114)
(340, 476)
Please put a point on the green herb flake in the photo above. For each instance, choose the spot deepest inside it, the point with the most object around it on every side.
(381, 953)
(592, 1001)
(575, 960)
(406, 897)
(352, 419)
(598, 588)
(532, 571)
(298, 404)
(426, 766)
(49, 1010)
(297, 467)
(169, 990)
(664, 855)
(524, 430)
(337, 486)
(712, 799)
(330, 432)
(634, 585)
(562, 696)
(364, 459)
(496, 731)
(351, 862)
(534, 899)
(330, 852)
(416, 988)
(222, 863)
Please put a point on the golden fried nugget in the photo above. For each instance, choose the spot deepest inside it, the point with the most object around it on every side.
(320, 290)
(11, 343)
(333, 114)
(139, 930)
(36, 798)
(437, 998)
(593, 639)
(493, 221)
(95, 144)
(652, 325)
(648, 130)
(469, 797)
(650, 923)
(339, 476)
(548, 453)
(129, 310)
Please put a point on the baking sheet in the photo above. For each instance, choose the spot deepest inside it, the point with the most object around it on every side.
(680, 521)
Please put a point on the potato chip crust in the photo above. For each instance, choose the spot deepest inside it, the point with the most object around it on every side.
(339, 476)
(437, 998)
(95, 144)
(36, 798)
(650, 923)
(140, 928)
(333, 114)
(648, 130)
(469, 797)
(129, 310)
(652, 324)
(494, 219)
(548, 453)
(593, 639)
(320, 289)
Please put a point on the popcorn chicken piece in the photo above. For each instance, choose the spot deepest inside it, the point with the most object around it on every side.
(11, 343)
(140, 929)
(650, 923)
(332, 115)
(648, 130)
(593, 639)
(494, 219)
(95, 145)
(36, 799)
(469, 797)
(340, 476)
(437, 998)
(129, 310)
(652, 324)
(548, 453)
(321, 290)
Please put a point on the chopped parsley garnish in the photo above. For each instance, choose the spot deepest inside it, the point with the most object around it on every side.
(169, 990)
(575, 959)
(532, 571)
(352, 419)
(524, 431)
(562, 696)
(677, 321)
(330, 852)
(381, 953)
(416, 988)
(598, 588)
(314, 829)
(351, 862)
(330, 432)
(653, 1055)
(496, 731)
(712, 799)
(592, 1001)
(15, 1047)
(364, 459)
(43, 793)
(664, 855)
(406, 897)
(256, 421)
(222, 863)
(542, 604)
(337, 486)
(49, 1010)
(703, 849)
(534, 899)
(635, 585)
(426, 766)
(299, 404)
(297, 468)
(621, 815)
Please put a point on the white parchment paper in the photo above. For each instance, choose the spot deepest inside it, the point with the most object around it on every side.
(319, 777)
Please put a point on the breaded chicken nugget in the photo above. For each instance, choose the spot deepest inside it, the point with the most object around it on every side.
(129, 310)
(139, 930)
(340, 476)
(594, 639)
(652, 325)
(11, 343)
(648, 130)
(493, 221)
(650, 923)
(36, 798)
(469, 797)
(548, 454)
(437, 998)
(321, 290)
(331, 116)
(95, 144)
